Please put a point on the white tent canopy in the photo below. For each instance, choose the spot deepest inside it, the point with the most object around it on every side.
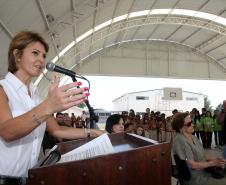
(173, 38)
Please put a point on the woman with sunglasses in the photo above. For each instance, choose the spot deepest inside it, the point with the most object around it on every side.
(187, 147)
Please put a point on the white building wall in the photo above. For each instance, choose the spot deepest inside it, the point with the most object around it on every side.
(154, 100)
(122, 103)
(141, 105)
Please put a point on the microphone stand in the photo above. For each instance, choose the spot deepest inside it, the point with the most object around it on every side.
(91, 111)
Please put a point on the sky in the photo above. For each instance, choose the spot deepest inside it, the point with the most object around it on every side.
(103, 90)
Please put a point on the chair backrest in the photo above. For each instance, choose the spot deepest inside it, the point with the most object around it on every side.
(184, 171)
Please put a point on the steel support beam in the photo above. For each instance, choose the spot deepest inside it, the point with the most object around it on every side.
(6, 29)
(43, 13)
(209, 41)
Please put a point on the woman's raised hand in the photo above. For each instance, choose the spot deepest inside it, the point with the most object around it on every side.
(64, 97)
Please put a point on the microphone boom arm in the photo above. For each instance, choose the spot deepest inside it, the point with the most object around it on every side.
(52, 67)
(90, 108)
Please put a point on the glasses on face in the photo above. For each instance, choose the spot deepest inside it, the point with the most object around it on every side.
(188, 124)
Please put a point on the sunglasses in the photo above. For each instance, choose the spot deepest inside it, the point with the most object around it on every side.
(188, 124)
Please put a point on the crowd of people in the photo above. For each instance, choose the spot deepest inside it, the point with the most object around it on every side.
(205, 123)
(192, 133)
(153, 124)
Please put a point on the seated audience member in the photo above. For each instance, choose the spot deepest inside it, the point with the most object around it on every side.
(187, 147)
(140, 131)
(114, 124)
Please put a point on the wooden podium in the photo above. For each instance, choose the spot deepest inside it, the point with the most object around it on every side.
(135, 162)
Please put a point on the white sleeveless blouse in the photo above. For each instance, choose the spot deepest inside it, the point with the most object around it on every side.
(18, 156)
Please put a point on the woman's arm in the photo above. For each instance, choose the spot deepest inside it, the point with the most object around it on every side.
(201, 165)
(63, 132)
(213, 162)
(14, 128)
(59, 99)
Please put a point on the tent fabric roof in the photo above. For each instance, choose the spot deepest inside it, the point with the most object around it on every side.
(76, 29)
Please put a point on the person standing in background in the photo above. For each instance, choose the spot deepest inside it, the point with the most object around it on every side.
(224, 122)
(208, 125)
(217, 130)
(202, 116)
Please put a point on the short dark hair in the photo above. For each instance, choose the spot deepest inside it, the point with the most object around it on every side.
(59, 113)
(203, 109)
(178, 121)
(175, 111)
(20, 42)
(112, 120)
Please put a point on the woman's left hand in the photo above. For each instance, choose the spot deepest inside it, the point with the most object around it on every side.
(64, 97)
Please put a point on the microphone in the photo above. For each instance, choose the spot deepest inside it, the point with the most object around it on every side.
(50, 66)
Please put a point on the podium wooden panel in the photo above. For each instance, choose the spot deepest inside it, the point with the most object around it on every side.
(135, 162)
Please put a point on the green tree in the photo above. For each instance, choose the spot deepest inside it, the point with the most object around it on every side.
(207, 104)
(82, 105)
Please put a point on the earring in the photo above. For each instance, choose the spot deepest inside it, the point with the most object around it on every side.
(18, 60)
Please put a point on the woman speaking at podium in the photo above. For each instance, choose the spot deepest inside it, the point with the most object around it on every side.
(23, 116)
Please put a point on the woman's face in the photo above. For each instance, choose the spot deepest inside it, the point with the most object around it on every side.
(32, 61)
(140, 131)
(119, 127)
(188, 125)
